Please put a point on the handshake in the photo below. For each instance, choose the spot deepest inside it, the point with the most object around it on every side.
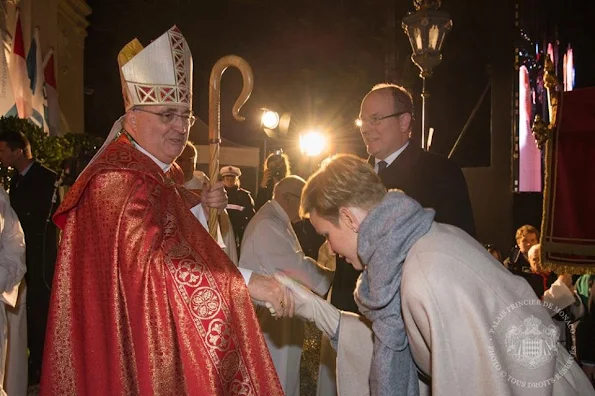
(285, 297)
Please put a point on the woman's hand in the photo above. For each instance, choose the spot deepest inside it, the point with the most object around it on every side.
(266, 177)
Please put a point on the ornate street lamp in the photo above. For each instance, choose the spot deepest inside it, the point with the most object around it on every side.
(426, 29)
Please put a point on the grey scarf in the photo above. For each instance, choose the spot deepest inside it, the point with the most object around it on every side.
(385, 237)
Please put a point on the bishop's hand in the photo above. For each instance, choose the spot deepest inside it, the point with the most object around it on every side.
(277, 298)
(214, 196)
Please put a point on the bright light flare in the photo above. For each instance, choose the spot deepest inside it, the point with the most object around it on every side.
(270, 119)
(359, 123)
(312, 143)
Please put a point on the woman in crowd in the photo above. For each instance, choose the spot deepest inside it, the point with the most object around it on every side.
(276, 167)
(441, 309)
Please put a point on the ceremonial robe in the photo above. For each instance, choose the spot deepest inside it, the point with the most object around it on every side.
(144, 301)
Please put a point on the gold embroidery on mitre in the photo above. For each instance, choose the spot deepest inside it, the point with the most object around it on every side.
(129, 51)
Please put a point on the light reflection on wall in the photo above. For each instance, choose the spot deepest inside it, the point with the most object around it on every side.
(529, 154)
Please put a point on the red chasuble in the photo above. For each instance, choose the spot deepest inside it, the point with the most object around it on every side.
(144, 301)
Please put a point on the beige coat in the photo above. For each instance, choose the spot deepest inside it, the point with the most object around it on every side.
(460, 307)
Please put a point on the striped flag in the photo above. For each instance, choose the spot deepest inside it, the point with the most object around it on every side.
(52, 110)
(36, 82)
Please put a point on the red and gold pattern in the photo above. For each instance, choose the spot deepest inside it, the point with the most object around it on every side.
(144, 301)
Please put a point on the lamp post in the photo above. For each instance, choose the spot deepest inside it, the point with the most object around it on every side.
(426, 29)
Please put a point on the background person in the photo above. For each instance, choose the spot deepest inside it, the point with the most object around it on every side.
(518, 259)
(276, 167)
(34, 198)
(13, 325)
(240, 203)
(269, 246)
(195, 180)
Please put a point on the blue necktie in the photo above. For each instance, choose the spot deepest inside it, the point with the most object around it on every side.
(381, 166)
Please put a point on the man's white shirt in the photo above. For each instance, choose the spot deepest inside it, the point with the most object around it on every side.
(389, 160)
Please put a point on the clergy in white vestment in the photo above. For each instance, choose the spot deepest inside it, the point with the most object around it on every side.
(270, 245)
(12, 270)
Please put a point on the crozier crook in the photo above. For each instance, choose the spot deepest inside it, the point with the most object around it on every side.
(215, 116)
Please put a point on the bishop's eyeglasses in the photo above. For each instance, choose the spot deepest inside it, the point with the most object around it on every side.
(169, 117)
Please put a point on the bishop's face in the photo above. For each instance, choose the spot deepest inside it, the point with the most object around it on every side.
(161, 130)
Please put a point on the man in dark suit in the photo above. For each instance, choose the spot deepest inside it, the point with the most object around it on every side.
(32, 191)
(385, 121)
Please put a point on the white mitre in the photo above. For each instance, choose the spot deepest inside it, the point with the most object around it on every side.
(159, 74)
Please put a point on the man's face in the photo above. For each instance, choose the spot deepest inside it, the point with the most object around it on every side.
(535, 260)
(161, 130)
(292, 206)
(526, 241)
(186, 161)
(7, 155)
(389, 134)
(229, 181)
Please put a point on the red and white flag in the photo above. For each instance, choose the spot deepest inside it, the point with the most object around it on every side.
(18, 72)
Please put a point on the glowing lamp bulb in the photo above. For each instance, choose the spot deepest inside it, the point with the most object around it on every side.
(270, 119)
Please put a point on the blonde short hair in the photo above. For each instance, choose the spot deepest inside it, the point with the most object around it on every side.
(524, 230)
(343, 180)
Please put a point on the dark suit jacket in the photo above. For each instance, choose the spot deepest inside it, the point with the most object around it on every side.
(31, 199)
(432, 180)
(239, 218)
